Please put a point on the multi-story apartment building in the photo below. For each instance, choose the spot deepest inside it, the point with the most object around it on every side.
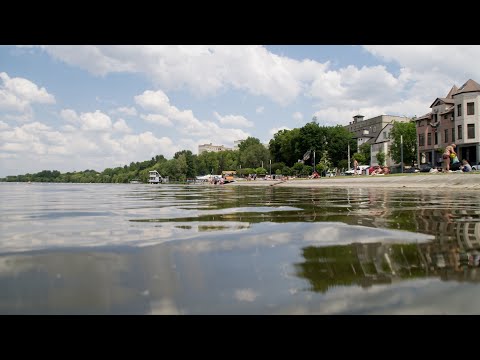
(237, 143)
(453, 119)
(375, 131)
(210, 147)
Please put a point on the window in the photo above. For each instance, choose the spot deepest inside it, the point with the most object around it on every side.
(374, 128)
(445, 116)
(436, 138)
(384, 134)
(459, 110)
(470, 108)
(453, 134)
(429, 139)
(460, 132)
(421, 140)
(470, 131)
(446, 135)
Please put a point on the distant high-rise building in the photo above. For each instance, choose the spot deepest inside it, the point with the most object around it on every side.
(237, 143)
(210, 147)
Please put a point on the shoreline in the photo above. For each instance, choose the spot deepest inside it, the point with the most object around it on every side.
(449, 181)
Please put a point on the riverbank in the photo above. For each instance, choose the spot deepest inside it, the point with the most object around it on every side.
(450, 181)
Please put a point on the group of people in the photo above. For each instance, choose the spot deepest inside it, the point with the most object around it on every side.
(451, 162)
(372, 170)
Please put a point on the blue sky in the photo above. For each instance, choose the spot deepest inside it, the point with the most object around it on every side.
(90, 107)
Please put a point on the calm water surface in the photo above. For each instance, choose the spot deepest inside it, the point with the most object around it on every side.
(171, 249)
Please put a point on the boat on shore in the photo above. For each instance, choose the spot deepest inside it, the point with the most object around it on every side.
(154, 177)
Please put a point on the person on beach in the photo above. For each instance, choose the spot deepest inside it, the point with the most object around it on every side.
(466, 167)
(449, 150)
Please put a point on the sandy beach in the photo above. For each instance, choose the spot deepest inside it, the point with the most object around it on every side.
(467, 181)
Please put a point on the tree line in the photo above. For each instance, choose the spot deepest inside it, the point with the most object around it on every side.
(289, 152)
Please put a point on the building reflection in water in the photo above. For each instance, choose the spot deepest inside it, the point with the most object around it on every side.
(453, 255)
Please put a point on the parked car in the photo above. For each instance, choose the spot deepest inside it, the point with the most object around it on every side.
(361, 169)
(476, 167)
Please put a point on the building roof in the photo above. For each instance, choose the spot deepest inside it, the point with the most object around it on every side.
(426, 116)
(469, 86)
(452, 92)
(444, 100)
(448, 110)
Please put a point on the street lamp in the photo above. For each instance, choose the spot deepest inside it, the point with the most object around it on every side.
(270, 167)
(401, 151)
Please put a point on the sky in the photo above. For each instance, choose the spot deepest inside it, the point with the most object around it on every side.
(78, 107)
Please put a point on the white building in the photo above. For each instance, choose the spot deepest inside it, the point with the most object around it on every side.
(210, 147)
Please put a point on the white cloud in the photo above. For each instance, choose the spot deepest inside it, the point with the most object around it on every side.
(3, 125)
(184, 120)
(126, 111)
(121, 126)
(42, 147)
(260, 110)
(273, 131)
(425, 73)
(96, 121)
(297, 116)
(233, 120)
(69, 115)
(157, 119)
(17, 95)
(26, 90)
(202, 69)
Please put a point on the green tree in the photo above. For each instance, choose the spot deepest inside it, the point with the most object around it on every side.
(252, 153)
(191, 170)
(338, 140)
(409, 132)
(285, 147)
(381, 158)
(365, 150)
(359, 157)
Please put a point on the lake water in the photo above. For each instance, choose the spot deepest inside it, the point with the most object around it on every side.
(196, 249)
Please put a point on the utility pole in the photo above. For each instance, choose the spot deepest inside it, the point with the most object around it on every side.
(314, 161)
(348, 156)
(270, 167)
(401, 151)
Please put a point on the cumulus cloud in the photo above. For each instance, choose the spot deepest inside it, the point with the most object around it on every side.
(69, 115)
(125, 111)
(43, 147)
(18, 94)
(425, 73)
(158, 103)
(260, 110)
(202, 69)
(233, 120)
(157, 119)
(96, 121)
(121, 126)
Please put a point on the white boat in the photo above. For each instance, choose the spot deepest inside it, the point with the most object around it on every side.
(208, 177)
(135, 181)
(154, 177)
